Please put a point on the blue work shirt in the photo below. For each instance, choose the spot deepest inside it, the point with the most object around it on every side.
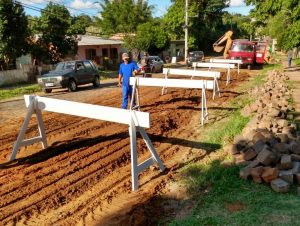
(126, 71)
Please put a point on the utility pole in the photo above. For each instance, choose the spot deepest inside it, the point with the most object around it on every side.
(186, 32)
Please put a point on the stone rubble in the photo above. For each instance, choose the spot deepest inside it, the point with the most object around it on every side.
(269, 146)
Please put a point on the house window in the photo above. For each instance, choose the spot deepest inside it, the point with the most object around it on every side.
(114, 53)
(105, 52)
(90, 54)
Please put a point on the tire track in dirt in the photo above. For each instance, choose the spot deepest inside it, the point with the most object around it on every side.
(70, 175)
(62, 157)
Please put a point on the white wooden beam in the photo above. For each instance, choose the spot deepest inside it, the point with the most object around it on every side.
(238, 62)
(193, 73)
(104, 113)
(226, 61)
(213, 65)
(175, 83)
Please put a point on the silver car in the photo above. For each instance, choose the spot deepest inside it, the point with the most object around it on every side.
(155, 65)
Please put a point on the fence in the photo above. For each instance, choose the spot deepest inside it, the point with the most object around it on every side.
(238, 62)
(215, 65)
(195, 73)
(137, 122)
(175, 83)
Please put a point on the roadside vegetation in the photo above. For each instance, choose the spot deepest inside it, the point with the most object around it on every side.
(107, 74)
(292, 85)
(222, 197)
(9, 92)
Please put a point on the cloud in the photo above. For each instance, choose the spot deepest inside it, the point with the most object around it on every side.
(237, 3)
(81, 4)
(33, 2)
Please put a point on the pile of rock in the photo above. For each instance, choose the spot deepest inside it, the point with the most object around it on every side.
(268, 145)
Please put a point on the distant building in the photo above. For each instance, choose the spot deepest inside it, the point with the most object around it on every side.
(103, 51)
(121, 36)
(176, 49)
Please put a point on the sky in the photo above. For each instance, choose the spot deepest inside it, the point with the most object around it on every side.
(92, 7)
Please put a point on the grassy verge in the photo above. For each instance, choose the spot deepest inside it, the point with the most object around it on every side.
(260, 78)
(294, 85)
(224, 132)
(9, 92)
(297, 61)
(108, 74)
(222, 197)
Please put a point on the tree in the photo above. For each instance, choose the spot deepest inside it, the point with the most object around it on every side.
(150, 37)
(275, 27)
(13, 31)
(80, 23)
(33, 25)
(57, 37)
(205, 19)
(123, 15)
(284, 15)
(174, 20)
(241, 25)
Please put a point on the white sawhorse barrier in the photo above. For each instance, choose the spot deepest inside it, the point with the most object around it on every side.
(175, 83)
(215, 65)
(238, 62)
(136, 120)
(195, 73)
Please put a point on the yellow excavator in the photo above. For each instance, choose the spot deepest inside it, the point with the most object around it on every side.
(218, 47)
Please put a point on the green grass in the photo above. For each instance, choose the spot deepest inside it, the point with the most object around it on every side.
(226, 130)
(269, 67)
(255, 81)
(292, 85)
(222, 197)
(9, 92)
(108, 74)
(259, 79)
(297, 61)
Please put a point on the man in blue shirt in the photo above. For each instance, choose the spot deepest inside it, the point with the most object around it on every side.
(127, 69)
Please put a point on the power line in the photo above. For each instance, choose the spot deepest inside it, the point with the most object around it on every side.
(29, 6)
(14, 15)
(68, 7)
(32, 8)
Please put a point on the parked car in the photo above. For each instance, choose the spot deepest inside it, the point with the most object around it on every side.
(70, 74)
(195, 56)
(156, 64)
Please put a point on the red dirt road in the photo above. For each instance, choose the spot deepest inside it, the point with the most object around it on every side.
(84, 178)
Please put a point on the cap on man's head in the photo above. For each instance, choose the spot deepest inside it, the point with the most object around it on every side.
(125, 56)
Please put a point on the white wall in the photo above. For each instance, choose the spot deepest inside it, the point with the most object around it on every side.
(10, 77)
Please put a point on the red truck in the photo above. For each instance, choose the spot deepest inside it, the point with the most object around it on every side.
(241, 49)
(262, 53)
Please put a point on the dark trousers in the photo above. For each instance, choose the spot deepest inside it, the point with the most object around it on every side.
(290, 62)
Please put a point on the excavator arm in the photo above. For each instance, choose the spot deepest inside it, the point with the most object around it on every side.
(219, 48)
